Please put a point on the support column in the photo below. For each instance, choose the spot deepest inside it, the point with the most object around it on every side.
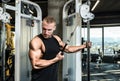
(55, 9)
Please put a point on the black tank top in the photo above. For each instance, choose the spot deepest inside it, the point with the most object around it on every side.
(49, 73)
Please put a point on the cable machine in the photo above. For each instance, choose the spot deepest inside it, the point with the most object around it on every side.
(73, 14)
(28, 17)
(6, 48)
(72, 22)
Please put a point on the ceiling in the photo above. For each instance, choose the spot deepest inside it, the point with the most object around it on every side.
(106, 12)
(108, 6)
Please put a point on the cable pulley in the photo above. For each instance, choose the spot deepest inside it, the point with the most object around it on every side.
(85, 12)
(4, 16)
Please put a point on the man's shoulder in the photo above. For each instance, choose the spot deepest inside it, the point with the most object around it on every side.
(36, 42)
(36, 39)
(56, 36)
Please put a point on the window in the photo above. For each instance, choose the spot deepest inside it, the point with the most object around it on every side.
(111, 40)
(95, 38)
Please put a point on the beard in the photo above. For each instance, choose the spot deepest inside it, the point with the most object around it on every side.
(46, 36)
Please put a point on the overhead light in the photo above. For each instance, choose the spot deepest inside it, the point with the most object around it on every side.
(95, 5)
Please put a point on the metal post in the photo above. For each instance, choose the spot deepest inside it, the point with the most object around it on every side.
(3, 39)
(71, 73)
(21, 72)
(88, 51)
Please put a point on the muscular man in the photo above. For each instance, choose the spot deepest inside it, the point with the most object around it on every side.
(45, 52)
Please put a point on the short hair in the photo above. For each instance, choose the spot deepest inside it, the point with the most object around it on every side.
(49, 19)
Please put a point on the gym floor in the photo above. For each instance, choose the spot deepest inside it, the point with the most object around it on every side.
(102, 72)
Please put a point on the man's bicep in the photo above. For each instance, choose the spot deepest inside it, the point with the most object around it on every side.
(35, 54)
(34, 49)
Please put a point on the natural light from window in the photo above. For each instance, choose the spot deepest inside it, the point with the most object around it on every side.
(111, 39)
